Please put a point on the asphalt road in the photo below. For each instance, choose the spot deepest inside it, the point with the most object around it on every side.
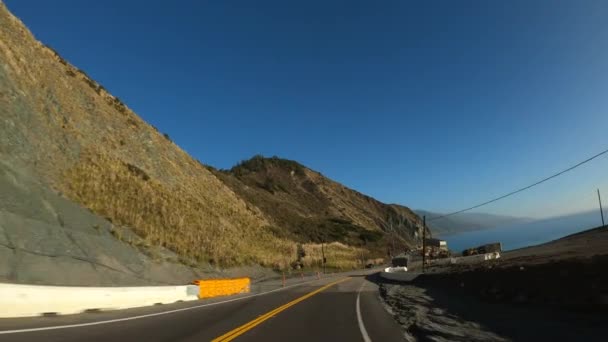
(338, 308)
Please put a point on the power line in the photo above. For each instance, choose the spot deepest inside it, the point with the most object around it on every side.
(520, 190)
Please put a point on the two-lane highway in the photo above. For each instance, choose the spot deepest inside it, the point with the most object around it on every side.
(347, 311)
(340, 308)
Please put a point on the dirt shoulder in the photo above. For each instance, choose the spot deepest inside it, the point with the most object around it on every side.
(431, 313)
(554, 291)
(567, 273)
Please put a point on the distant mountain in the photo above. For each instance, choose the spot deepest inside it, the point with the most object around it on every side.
(467, 222)
(523, 234)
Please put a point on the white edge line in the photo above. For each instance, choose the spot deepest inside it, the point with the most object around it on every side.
(67, 326)
(360, 318)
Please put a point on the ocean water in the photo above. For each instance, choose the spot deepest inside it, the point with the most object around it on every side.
(525, 234)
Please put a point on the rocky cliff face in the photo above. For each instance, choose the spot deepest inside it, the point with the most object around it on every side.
(47, 239)
(77, 139)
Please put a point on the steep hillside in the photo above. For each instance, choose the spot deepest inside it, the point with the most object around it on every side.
(89, 145)
(81, 141)
(306, 206)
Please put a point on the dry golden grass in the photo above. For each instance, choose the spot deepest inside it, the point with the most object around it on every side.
(338, 255)
(180, 221)
(174, 218)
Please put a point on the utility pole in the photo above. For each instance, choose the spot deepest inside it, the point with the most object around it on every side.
(393, 236)
(323, 255)
(393, 243)
(601, 210)
(423, 241)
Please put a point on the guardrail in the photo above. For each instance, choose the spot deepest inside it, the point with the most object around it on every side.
(34, 300)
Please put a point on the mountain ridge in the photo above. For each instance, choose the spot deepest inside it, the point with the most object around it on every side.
(295, 195)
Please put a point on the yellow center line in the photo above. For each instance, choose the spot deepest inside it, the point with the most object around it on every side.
(232, 334)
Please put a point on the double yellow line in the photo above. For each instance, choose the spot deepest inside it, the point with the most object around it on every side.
(231, 335)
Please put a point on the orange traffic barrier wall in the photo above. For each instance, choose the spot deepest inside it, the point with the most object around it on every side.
(209, 288)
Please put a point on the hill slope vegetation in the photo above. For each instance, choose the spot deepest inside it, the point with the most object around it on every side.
(310, 207)
(86, 144)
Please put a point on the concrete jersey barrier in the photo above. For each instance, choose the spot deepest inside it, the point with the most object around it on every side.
(33, 300)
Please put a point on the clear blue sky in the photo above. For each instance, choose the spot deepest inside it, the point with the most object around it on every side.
(431, 104)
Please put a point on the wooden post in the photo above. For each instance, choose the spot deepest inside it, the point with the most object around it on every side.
(283, 278)
(601, 210)
(423, 242)
(323, 255)
(393, 250)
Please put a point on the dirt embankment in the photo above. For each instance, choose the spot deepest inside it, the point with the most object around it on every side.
(422, 320)
(568, 273)
(554, 291)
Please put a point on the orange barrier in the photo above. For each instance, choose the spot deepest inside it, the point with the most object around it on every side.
(209, 288)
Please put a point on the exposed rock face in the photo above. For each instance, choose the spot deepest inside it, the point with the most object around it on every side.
(46, 239)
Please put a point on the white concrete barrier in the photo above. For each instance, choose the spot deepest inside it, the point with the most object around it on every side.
(33, 300)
